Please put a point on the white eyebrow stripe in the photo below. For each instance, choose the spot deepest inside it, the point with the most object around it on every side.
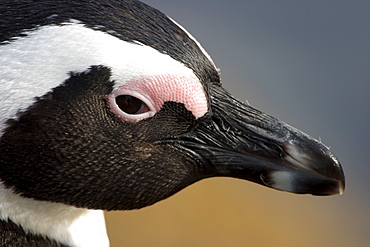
(31, 66)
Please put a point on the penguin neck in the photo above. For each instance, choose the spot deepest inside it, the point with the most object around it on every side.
(64, 224)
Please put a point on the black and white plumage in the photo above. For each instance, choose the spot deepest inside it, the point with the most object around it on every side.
(112, 105)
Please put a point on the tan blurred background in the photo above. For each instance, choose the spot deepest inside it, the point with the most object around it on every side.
(307, 63)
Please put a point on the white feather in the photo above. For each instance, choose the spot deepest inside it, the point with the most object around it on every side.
(69, 225)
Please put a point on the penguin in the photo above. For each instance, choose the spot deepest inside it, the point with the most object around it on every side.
(112, 105)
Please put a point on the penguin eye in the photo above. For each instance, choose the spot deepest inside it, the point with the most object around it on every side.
(131, 105)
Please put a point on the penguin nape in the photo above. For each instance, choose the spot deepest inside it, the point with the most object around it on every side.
(111, 105)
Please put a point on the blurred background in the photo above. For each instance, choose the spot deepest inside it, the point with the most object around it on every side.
(306, 63)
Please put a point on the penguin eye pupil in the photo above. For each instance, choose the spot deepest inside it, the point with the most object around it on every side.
(130, 104)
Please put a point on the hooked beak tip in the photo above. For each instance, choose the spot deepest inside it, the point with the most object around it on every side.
(310, 168)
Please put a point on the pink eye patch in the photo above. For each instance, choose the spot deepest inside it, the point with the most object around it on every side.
(143, 97)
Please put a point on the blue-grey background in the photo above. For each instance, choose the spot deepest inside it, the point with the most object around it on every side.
(306, 63)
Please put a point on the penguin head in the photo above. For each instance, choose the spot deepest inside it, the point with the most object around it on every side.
(112, 105)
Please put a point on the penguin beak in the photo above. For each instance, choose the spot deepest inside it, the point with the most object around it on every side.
(236, 140)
